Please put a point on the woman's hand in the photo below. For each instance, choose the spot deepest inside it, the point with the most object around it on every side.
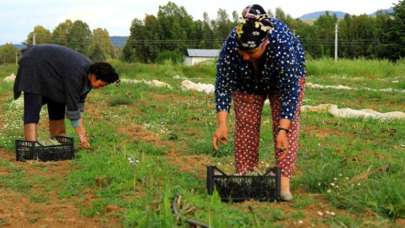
(221, 134)
(220, 137)
(282, 141)
(282, 137)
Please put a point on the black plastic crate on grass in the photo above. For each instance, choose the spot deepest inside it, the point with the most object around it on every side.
(27, 150)
(239, 188)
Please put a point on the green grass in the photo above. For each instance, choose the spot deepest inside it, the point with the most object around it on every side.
(301, 202)
(323, 159)
(152, 184)
(6, 70)
(378, 101)
(16, 181)
(367, 69)
(345, 152)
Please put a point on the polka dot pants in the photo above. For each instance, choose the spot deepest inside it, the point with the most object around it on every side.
(248, 111)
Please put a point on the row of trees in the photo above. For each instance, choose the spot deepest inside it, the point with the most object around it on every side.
(8, 54)
(73, 34)
(168, 34)
(359, 36)
(76, 35)
(172, 30)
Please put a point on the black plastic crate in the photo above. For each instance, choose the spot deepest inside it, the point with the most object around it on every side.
(239, 188)
(27, 150)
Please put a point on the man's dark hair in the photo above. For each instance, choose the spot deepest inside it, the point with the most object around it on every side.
(104, 72)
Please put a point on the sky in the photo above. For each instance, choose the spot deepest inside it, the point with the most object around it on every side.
(19, 17)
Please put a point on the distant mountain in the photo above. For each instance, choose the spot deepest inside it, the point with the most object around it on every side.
(386, 11)
(316, 15)
(20, 46)
(339, 14)
(119, 41)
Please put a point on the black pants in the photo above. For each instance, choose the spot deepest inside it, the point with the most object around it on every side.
(33, 104)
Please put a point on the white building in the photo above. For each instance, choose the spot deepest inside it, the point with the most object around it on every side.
(195, 56)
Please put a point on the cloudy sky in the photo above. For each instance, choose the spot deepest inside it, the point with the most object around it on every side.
(18, 17)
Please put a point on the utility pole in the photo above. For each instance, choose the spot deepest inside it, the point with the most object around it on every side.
(33, 39)
(336, 41)
(16, 57)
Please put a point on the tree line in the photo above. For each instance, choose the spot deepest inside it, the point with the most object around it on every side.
(168, 34)
(77, 35)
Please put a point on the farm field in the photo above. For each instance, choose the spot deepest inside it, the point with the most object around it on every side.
(152, 143)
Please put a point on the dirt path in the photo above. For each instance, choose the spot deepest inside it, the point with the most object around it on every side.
(194, 164)
(20, 208)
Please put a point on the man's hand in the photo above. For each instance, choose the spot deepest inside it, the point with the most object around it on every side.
(81, 132)
(220, 137)
(84, 142)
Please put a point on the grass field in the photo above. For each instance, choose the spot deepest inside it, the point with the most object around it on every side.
(350, 171)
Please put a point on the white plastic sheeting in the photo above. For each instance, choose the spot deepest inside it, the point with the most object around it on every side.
(153, 83)
(200, 87)
(353, 113)
(10, 78)
(330, 108)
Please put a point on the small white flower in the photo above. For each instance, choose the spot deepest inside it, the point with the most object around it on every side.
(320, 213)
(329, 191)
(133, 161)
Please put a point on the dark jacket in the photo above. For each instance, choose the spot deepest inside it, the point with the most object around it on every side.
(55, 72)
